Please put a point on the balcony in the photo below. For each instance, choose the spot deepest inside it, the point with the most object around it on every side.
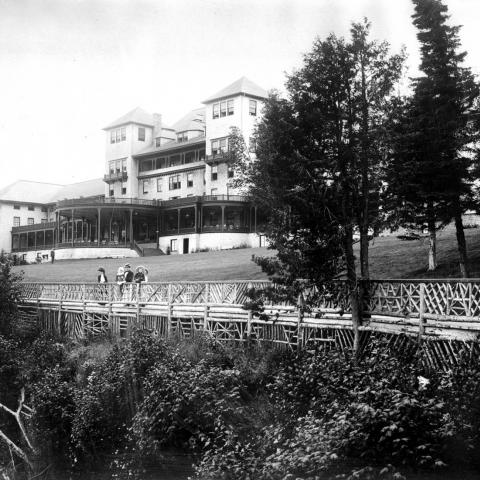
(219, 157)
(101, 200)
(115, 177)
(178, 202)
(36, 227)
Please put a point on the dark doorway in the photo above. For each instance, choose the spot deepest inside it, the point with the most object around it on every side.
(185, 245)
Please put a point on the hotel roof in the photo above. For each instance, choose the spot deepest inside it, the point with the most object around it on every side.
(137, 115)
(242, 86)
(26, 191)
(194, 120)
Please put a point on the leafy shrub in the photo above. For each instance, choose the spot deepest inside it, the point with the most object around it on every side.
(184, 403)
(106, 405)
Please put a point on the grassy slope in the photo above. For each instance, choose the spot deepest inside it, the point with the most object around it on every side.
(389, 258)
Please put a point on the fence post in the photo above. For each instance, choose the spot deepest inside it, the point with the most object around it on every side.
(59, 318)
(300, 305)
(138, 304)
(169, 310)
(421, 319)
(84, 311)
(110, 287)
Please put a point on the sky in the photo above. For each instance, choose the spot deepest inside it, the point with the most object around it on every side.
(70, 67)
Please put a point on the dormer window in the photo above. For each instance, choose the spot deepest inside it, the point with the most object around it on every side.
(141, 134)
(118, 135)
(222, 109)
(182, 137)
(158, 142)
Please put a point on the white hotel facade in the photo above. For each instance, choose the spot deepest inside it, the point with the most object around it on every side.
(165, 187)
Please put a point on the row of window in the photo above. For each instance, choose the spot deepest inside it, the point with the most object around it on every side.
(117, 166)
(30, 221)
(171, 160)
(226, 108)
(31, 208)
(175, 183)
(120, 135)
(222, 109)
(124, 190)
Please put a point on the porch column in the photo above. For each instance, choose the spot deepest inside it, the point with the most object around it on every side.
(196, 218)
(223, 217)
(178, 222)
(35, 239)
(99, 210)
(82, 229)
(130, 230)
(44, 238)
(73, 223)
(57, 229)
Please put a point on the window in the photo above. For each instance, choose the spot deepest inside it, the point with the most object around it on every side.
(145, 186)
(174, 182)
(214, 172)
(182, 137)
(141, 134)
(124, 165)
(16, 207)
(230, 172)
(161, 162)
(219, 145)
(159, 184)
(118, 135)
(222, 109)
(30, 221)
(31, 208)
(43, 220)
(190, 195)
(189, 157)
(158, 141)
(124, 188)
(111, 192)
(16, 221)
(146, 165)
(252, 107)
(189, 179)
(213, 191)
(175, 160)
(173, 245)
(43, 209)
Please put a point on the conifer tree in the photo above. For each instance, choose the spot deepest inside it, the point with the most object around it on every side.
(431, 171)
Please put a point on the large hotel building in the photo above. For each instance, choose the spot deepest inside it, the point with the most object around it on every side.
(165, 188)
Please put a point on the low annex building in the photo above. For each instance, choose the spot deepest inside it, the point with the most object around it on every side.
(165, 187)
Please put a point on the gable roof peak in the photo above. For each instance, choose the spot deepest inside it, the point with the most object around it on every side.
(242, 86)
(137, 115)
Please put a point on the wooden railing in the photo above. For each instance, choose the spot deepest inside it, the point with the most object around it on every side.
(445, 310)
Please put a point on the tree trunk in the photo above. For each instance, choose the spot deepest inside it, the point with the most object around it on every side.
(461, 243)
(364, 159)
(352, 286)
(432, 249)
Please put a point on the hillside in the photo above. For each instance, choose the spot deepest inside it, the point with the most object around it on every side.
(390, 258)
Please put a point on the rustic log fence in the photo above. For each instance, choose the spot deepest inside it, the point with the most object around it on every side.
(446, 313)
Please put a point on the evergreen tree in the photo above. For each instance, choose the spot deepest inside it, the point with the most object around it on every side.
(431, 170)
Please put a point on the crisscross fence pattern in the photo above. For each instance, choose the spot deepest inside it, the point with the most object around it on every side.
(447, 311)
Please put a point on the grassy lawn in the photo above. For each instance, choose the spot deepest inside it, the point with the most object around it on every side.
(389, 258)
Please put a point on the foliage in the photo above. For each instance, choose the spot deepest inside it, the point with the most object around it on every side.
(110, 398)
(435, 133)
(9, 294)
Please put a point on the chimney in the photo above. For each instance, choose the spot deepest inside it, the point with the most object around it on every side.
(157, 124)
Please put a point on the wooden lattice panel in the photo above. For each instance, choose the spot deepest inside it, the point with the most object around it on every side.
(395, 298)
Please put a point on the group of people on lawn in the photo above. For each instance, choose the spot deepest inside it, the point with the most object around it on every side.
(125, 275)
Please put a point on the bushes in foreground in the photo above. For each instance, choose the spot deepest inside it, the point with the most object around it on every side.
(245, 414)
